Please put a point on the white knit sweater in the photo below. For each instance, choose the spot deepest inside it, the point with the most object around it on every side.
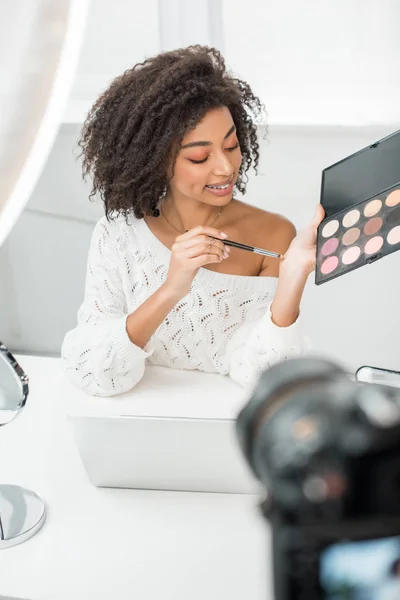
(222, 326)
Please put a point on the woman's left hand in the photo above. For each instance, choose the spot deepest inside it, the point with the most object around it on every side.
(301, 253)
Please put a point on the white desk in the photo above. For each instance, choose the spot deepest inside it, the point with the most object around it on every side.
(103, 544)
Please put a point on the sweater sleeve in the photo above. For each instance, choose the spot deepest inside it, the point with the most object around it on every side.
(257, 346)
(98, 355)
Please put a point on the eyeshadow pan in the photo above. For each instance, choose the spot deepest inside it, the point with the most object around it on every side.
(330, 228)
(394, 236)
(373, 208)
(351, 255)
(373, 226)
(351, 218)
(351, 236)
(393, 199)
(330, 246)
(373, 245)
(329, 265)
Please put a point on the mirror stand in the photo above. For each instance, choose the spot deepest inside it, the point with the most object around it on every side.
(22, 514)
(22, 511)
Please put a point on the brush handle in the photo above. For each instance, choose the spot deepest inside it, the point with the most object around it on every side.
(251, 248)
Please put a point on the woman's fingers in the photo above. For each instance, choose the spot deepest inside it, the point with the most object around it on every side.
(202, 239)
(202, 249)
(201, 230)
(205, 259)
(319, 215)
(192, 250)
(196, 243)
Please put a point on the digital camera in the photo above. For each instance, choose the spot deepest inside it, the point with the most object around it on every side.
(327, 450)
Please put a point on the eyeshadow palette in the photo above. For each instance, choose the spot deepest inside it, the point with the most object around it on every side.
(360, 227)
(359, 236)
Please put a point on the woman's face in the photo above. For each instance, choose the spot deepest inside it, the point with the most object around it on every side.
(208, 161)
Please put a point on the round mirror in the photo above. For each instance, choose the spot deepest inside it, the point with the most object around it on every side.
(39, 49)
(13, 386)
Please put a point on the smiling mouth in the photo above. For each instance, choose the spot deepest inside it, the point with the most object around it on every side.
(222, 186)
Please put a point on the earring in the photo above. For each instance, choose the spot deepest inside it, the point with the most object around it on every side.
(156, 211)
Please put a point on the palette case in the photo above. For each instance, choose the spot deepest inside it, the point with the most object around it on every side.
(361, 198)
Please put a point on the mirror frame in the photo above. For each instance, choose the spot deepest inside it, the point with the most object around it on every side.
(59, 29)
(20, 373)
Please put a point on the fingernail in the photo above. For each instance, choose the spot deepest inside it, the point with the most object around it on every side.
(223, 235)
(227, 249)
(226, 255)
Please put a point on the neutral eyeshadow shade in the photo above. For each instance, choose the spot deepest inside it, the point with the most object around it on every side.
(330, 228)
(351, 255)
(394, 236)
(329, 265)
(373, 226)
(393, 199)
(351, 218)
(372, 208)
(351, 236)
(373, 245)
(329, 246)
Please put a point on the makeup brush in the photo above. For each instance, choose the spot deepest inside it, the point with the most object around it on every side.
(250, 248)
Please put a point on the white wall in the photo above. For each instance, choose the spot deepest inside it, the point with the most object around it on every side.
(123, 32)
(42, 263)
(320, 61)
(353, 318)
(118, 35)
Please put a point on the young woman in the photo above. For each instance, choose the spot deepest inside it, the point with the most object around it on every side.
(167, 144)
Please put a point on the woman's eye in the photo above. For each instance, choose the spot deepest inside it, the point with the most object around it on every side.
(198, 162)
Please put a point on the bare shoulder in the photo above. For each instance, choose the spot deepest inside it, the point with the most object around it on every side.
(262, 228)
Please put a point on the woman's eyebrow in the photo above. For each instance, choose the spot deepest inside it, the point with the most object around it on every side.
(191, 144)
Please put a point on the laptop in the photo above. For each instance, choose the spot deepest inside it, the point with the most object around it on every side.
(163, 453)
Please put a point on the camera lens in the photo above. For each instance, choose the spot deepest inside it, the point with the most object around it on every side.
(281, 384)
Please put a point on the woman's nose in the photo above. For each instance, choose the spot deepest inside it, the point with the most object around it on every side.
(223, 165)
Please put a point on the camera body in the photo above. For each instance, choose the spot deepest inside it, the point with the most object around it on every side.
(327, 450)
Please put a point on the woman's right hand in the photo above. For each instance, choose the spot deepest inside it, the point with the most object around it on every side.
(192, 250)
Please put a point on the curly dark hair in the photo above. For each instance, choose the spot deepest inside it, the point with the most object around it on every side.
(137, 125)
